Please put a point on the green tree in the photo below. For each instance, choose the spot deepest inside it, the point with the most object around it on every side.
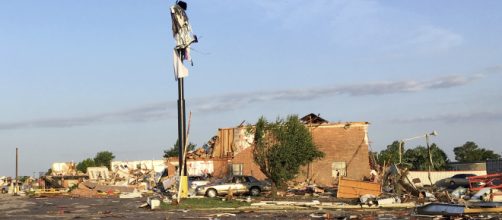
(418, 158)
(104, 158)
(281, 148)
(173, 151)
(82, 166)
(390, 154)
(471, 152)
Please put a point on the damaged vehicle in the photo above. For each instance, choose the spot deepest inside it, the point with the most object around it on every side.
(236, 184)
(455, 181)
(196, 181)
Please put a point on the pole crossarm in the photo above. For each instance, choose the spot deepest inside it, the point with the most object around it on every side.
(402, 141)
(413, 138)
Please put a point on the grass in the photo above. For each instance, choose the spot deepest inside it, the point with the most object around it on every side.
(205, 203)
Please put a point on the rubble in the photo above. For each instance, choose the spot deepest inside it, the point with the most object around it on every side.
(478, 196)
(496, 196)
(445, 209)
(130, 195)
(83, 191)
(493, 181)
(351, 189)
(387, 187)
(154, 203)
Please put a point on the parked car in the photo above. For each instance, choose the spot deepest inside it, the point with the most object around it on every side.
(238, 184)
(456, 181)
(195, 181)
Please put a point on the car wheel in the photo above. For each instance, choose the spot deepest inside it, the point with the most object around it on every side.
(254, 191)
(452, 183)
(211, 193)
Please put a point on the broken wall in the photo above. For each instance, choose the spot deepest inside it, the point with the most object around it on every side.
(65, 168)
(96, 173)
(217, 167)
(124, 168)
(346, 153)
(345, 146)
(156, 165)
(245, 161)
(230, 141)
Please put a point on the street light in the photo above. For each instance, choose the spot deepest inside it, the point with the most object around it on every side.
(434, 133)
(401, 142)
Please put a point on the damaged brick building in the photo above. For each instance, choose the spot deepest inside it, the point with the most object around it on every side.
(345, 146)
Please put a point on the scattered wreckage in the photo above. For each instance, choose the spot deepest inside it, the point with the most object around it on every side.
(391, 191)
(388, 188)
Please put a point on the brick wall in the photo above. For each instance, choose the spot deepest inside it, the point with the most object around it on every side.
(250, 168)
(341, 143)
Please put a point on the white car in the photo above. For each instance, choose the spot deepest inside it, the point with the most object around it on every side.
(238, 184)
(196, 181)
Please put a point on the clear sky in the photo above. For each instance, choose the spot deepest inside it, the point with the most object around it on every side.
(78, 77)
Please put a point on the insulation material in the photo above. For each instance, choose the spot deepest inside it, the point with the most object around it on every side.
(242, 139)
(231, 141)
(97, 173)
(68, 168)
(155, 165)
(197, 167)
(200, 168)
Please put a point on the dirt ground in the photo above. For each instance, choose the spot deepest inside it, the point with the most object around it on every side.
(18, 207)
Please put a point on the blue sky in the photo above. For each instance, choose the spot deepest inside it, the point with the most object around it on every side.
(78, 77)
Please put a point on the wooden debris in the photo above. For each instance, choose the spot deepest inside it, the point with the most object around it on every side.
(352, 189)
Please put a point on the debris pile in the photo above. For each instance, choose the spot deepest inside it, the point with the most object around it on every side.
(83, 190)
(199, 153)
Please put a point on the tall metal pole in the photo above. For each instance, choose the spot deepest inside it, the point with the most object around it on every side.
(430, 157)
(16, 185)
(181, 126)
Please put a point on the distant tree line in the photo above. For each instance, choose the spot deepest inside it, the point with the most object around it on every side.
(471, 152)
(103, 158)
(418, 159)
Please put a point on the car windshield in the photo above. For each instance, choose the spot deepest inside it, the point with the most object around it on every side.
(462, 175)
(239, 179)
(221, 181)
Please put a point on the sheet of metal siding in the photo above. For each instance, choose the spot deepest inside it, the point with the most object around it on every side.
(493, 166)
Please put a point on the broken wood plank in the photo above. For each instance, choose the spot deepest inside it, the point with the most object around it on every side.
(352, 189)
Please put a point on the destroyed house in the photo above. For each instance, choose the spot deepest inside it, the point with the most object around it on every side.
(216, 160)
(345, 146)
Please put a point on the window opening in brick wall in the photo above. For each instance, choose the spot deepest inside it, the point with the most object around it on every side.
(338, 169)
(237, 169)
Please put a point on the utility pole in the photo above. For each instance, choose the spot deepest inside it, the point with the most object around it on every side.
(430, 158)
(181, 127)
(16, 184)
